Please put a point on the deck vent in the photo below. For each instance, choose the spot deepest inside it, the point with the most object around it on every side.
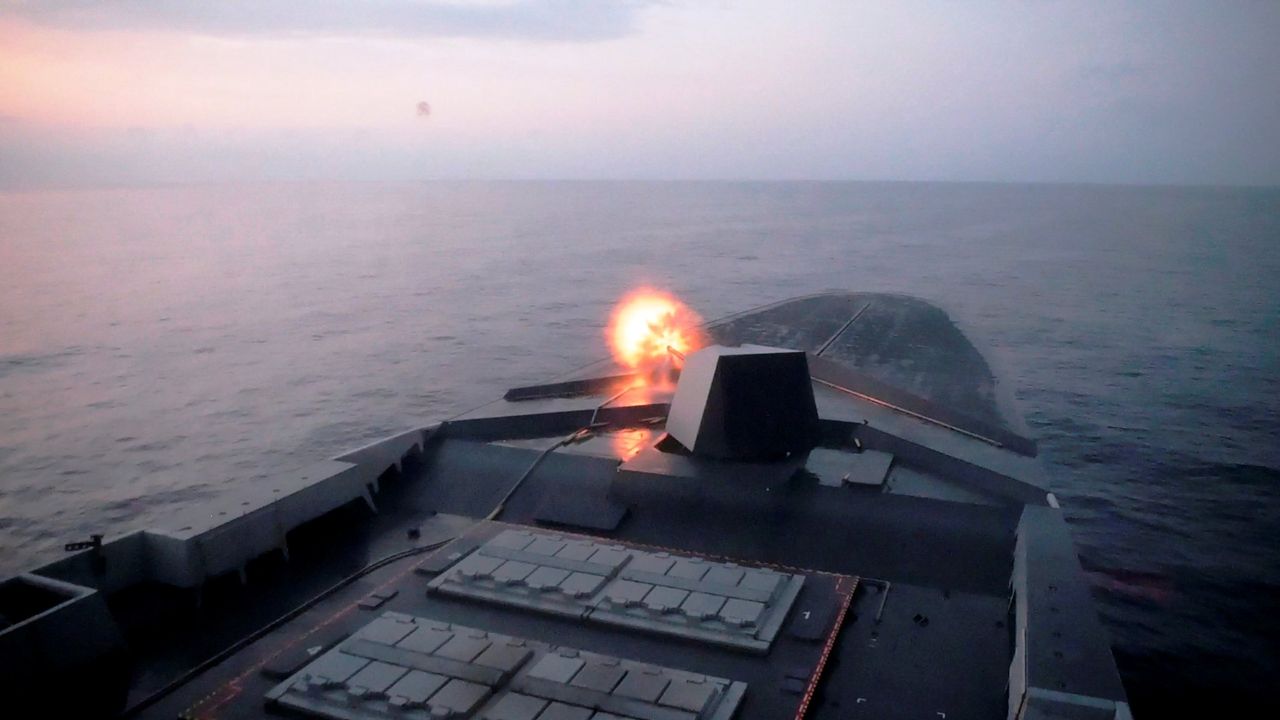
(744, 403)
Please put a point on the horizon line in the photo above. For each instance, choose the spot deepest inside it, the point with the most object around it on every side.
(172, 184)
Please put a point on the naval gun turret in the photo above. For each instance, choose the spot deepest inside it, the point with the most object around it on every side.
(744, 403)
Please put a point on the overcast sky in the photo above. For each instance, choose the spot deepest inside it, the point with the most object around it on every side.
(140, 91)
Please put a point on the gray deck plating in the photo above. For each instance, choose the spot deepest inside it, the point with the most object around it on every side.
(903, 342)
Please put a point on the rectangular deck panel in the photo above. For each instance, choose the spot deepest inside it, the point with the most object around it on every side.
(403, 666)
(688, 596)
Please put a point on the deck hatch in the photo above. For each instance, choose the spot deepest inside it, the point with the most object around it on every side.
(720, 603)
(536, 680)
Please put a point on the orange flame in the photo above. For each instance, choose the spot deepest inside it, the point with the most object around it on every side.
(646, 323)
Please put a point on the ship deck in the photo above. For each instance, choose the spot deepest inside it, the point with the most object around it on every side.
(912, 565)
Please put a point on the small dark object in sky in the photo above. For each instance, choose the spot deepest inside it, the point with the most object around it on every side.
(424, 109)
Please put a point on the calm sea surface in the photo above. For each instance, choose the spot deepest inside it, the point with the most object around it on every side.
(159, 347)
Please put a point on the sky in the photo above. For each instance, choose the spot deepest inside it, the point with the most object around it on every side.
(109, 92)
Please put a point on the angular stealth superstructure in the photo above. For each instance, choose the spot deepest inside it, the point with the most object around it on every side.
(744, 403)
(832, 516)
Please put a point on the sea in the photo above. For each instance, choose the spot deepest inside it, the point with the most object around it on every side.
(162, 346)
